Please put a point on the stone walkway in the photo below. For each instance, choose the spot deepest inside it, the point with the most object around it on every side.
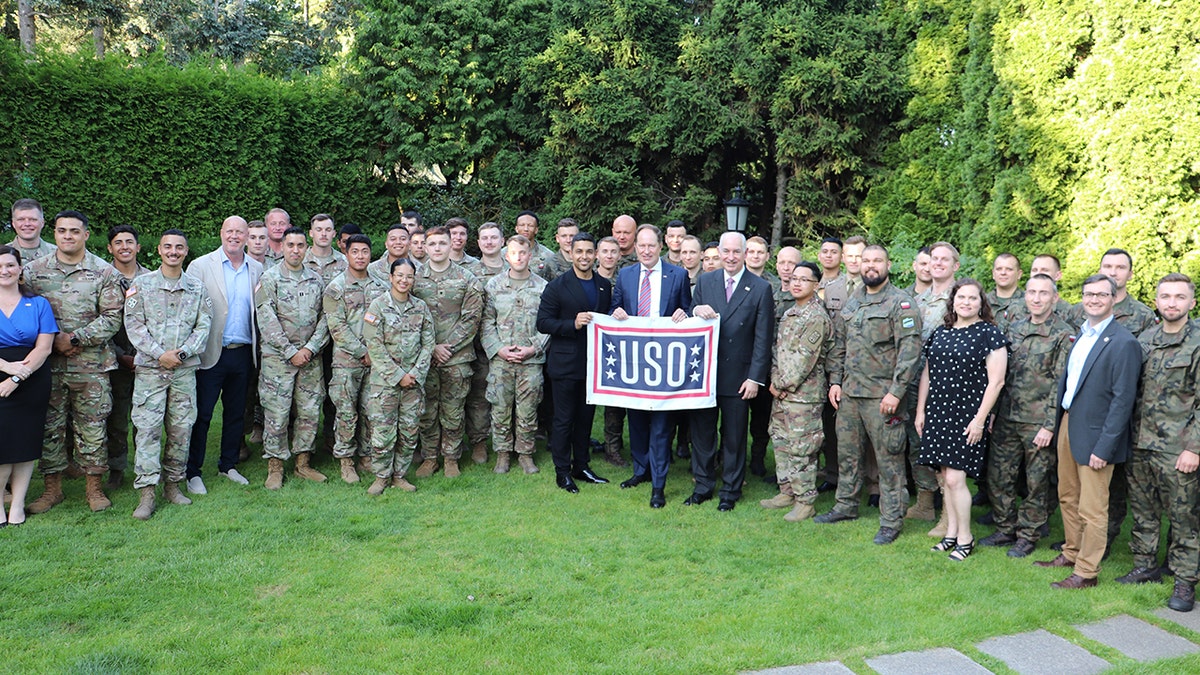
(1036, 653)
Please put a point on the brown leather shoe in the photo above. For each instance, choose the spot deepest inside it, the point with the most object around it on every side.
(1060, 561)
(1074, 581)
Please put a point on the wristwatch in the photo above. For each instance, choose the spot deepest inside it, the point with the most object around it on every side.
(183, 356)
(16, 379)
(74, 340)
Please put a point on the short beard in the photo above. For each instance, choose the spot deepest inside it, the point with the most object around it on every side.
(875, 282)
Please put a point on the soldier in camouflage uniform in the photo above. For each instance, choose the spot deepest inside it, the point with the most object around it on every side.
(344, 303)
(1025, 417)
(1006, 272)
(478, 412)
(877, 346)
(292, 331)
(608, 263)
(1045, 263)
(87, 300)
(455, 300)
(278, 221)
(28, 221)
(327, 261)
(459, 231)
(803, 338)
(542, 261)
(124, 247)
(624, 230)
(517, 351)
(757, 254)
(1162, 471)
(168, 315)
(396, 246)
(399, 333)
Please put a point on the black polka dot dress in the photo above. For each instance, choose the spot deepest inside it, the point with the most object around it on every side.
(957, 380)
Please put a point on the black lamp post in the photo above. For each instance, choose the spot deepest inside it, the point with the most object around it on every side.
(737, 212)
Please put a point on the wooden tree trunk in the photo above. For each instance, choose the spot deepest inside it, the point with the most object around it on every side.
(25, 26)
(781, 185)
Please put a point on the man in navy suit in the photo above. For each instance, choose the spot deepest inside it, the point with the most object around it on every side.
(651, 288)
(564, 313)
(747, 311)
(1096, 396)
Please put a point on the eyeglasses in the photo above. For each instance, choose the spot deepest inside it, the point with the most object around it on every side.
(807, 281)
(1088, 295)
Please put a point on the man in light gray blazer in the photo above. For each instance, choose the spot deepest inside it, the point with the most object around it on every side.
(230, 276)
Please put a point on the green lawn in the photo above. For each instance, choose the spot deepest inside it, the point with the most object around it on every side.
(489, 573)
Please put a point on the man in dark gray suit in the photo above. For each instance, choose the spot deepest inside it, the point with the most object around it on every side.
(1096, 396)
(747, 311)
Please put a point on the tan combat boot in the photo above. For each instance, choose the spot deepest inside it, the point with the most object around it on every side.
(274, 474)
(479, 453)
(349, 475)
(74, 470)
(939, 530)
(526, 463)
(145, 507)
(427, 468)
(400, 482)
(451, 468)
(115, 479)
(303, 470)
(95, 493)
(364, 464)
(503, 460)
(378, 486)
(779, 501)
(923, 509)
(174, 495)
(51, 496)
(800, 512)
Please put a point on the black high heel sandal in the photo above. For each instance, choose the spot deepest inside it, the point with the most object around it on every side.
(946, 544)
(961, 551)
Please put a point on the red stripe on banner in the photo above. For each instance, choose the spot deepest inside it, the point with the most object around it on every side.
(632, 393)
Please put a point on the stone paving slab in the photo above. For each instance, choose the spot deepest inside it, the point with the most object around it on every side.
(932, 661)
(1189, 620)
(1137, 639)
(1042, 653)
(822, 668)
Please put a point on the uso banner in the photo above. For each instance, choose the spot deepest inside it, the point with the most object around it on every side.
(652, 363)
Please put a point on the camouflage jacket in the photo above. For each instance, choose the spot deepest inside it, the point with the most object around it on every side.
(877, 344)
(163, 314)
(1167, 416)
(1008, 310)
(803, 338)
(484, 273)
(835, 294)
(121, 340)
(510, 316)
(28, 255)
(87, 300)
(933, 308)
(327, 268)
(400, 339)
(1130, 313)
(381, 270)
(784, 301)
(289, 312)
(344, 303)
(271, 259)
(455, 300)
(1037, 358)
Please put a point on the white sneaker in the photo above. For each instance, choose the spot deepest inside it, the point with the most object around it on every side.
(236, 477)
(196, 486)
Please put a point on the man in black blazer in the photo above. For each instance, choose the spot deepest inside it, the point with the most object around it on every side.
(1096, 396)
(565, 311)
(634, 294)
(747, 311)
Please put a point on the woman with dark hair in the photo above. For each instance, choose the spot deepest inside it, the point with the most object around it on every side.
(27, 330)
(966, 358)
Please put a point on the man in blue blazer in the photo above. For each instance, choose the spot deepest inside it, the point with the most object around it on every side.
(651, 288)
(1096, 397)
(744, 304)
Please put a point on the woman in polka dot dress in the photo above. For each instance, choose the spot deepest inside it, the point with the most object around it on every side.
(964, 371)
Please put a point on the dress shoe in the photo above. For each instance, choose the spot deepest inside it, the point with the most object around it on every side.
(682, 452)
(195, 485)
(886, 535)
(697, 498)
(1060, 561)
(873, 501)
(726, 505)
(564, 481)
(826, 486)
(1184, 597)
(1057, 546)
(658, 498)
(1043, 531)
(998, 538)
(635, 481)
(758, 468)
(833, 517)
(980, 499)
(588, 476)
(1073, 582)
(1022, 548)
(1141, 575)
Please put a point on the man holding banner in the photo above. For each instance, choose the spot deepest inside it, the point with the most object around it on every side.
(659, 289)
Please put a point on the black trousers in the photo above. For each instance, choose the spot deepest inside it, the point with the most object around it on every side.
(226, 380)
(571, 431)
(732, 412)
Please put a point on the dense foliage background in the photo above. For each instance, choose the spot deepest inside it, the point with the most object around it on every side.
(1063, 127)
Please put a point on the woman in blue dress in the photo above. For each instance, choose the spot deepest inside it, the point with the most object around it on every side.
(27, 330)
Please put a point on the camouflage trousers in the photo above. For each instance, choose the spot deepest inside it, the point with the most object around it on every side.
(859, 422)
(85, 400)
(283, 388)
(1157, 488)
(446, 389)
(923, 476)
(163, 396)
(797, 434)
(348, 392)
(117, 426)
(614, 429)
(394, 413)
(514, 390)
(1012, 446)
(479, 408)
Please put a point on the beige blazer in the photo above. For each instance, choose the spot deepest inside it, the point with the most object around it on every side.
(208, 269)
